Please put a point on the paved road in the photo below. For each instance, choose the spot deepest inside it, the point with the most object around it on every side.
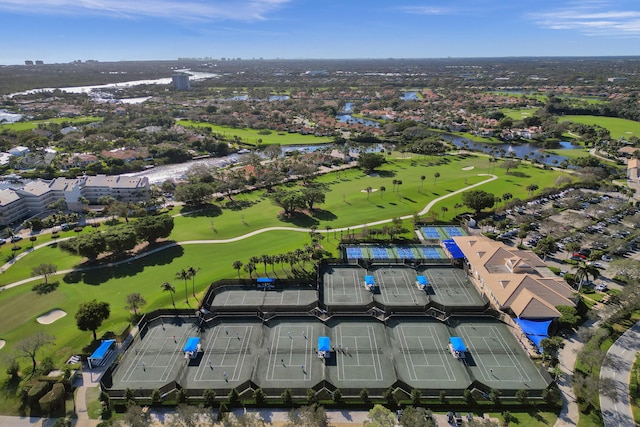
(617, 367)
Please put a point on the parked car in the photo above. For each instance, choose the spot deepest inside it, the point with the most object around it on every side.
(606, 258)
(15, 238)
(3, 241)
(602, 287)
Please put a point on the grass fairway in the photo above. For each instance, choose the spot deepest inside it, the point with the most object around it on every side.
(22, 126)
(251, 136)
(519, 113)
(347, 204)
(619, 128)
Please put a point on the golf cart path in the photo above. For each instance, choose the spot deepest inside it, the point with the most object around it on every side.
(426, 209)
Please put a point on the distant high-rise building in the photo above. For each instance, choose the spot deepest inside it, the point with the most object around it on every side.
(39, 62)
(28, 62)
(181, 81)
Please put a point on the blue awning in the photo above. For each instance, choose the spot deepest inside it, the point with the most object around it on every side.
(422, 280)
(535, 330)
(369, 280)
(457, 344)
(191, 345)
(266, 280)
(324, 344)
(102, 350)
(453, 249)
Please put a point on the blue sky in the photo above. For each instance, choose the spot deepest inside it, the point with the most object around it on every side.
(106, 30)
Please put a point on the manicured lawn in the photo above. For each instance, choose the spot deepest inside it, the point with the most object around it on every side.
(251, 136)
(346, 205)
(22, 126)
(529, 419)
(569, 153)
(519, 113)
(618, 128)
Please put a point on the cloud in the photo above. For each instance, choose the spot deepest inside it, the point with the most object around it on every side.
(190, 10)
(595, 18)
(427, 10)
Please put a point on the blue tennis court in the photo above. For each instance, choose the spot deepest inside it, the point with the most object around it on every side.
(380, 253)
(454, 231)
(430, 252)
(431, 233)
(354, 253)
(405, 252)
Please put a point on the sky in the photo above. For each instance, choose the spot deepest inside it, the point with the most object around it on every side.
(114, 30)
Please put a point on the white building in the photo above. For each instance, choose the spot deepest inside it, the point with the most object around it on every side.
(36, 196)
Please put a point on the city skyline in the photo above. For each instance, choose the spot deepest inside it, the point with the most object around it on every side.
(67, 30)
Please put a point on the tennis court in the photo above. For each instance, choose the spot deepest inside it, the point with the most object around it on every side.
(253, 297)
(405, 252)
(495, 357)
(289, 356)
(345, 286)
(433, 252)
(362, 357)
(431, 233)
(422, 356)
(454, 231)
(380, 253)
(354, 253)
(397, 286)
(451, 287)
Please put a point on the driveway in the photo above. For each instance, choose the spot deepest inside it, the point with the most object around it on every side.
(617, 367)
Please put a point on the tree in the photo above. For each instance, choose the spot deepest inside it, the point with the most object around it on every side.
(209, 397)
(364, 395)
(194, 194)
(382, 190)
(286, 396)
(546, 246)
(192, 274)
(369, 161)
(416, 417)
(509, 164)
(238, 266)
(29, 347)
(422, 178)
(415, 396)
(435, 177)
(152, 228)
(478, 200)
(136, 417)
(379, 416)
(44, 270)
(337, 395)
(522, 395)
(312, 196)
(168, 287)
(90, 245)
(134, 301)
(186, 416)
(569, 316)
(91, 314)
(583, 271)
(494, 395)
(308, 416)
(551, 346)
(244, 420)
(531, 188)
(368, 190)
(290, 201)
(184, 275)
(121, 239)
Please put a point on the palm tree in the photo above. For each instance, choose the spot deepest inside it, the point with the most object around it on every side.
(184, 275)
(250, 267)
(435, 177)
(444, 210)
(192, 273)
(368, 190)
(531, 188)
(583, 271)
(422, 178)
(168, 287)
(382, 190)
(394, 182)
(238, 266)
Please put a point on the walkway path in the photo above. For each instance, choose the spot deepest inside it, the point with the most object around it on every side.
(617, 368)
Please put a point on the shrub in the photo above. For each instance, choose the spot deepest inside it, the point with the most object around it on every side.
(38, 390)
(53, 399)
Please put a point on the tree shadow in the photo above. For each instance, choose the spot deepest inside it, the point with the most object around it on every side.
(208, 211)
(238, 205)
(299, 219)
(324, 215)
(386, 174)
(101, 274)
(409, 200)
(519, 174)
(45, 288)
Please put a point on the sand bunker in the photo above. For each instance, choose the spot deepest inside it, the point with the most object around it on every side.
(2, 343)
(50, 317)
(373, 190)
(468, 168)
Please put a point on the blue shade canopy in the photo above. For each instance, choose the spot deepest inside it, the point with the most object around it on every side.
(536, 330)
(453, 249)
(191, 345)
(324, 344)
(457, 344)
(266, 280)
(422, 280)
(369, 280)
(102, 350)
